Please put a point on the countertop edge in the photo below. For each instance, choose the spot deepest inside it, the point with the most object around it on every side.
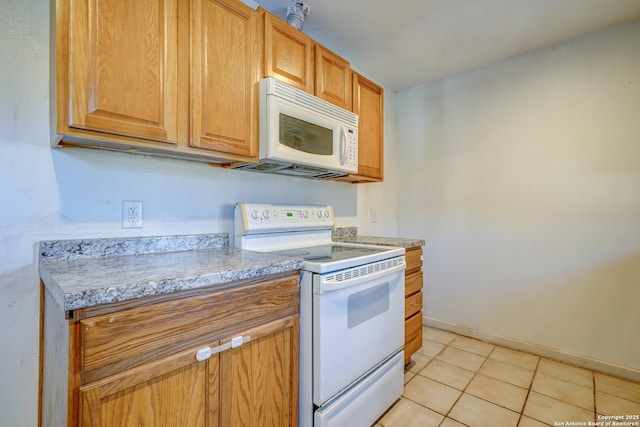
(85, 273)
(403, 242)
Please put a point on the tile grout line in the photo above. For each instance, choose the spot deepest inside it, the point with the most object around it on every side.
(463, 390)
(529, 388)
(524, 404)
(595, 409)
(475, 373)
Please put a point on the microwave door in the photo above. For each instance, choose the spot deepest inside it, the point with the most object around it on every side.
(298, 135)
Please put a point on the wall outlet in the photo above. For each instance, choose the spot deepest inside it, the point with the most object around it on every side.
(131, 214)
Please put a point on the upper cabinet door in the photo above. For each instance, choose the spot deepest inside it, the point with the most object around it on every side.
(224, 73)
(368, 103)
(333, 78)
(121, 75)
(288, 54)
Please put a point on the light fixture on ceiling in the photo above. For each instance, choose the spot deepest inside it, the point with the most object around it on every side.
(296, 14)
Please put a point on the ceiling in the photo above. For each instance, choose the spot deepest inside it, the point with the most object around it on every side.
(404, 43)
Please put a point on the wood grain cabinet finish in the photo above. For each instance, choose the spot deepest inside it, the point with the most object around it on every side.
(168, 77)
(121, 69)
(368, 103)
(136, 365)
(413, 303)
(296, 59)
(224, 75)
(333, 78)
(288, 53)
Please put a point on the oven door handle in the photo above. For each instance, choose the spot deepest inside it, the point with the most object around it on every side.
(335, 285)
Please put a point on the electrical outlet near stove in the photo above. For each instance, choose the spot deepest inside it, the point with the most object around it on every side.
(131, 214)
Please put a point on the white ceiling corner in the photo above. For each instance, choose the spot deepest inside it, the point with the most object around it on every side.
(404, 43)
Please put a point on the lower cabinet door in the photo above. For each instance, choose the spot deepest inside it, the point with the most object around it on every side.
(167, 392)
(259, 379)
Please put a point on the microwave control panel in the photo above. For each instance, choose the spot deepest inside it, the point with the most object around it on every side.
(351, 156)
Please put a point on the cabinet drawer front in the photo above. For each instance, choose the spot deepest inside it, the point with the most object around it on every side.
(121, 340)
(413, 258)
(412, 335)
(412, 305)
(413, 283)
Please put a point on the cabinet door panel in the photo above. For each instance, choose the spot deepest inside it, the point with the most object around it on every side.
(412, 335)
(368, 104)
(259, 379)
(288, 54)
(123, 67)
(225, 70)
(167, 392)
(333, 78)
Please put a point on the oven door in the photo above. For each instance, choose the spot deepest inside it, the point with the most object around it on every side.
(357, 324)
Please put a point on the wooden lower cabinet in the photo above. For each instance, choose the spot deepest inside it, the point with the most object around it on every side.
(148, 365)
(413, 303)
(166, 392)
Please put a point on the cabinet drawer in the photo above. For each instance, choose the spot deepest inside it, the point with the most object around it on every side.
(412, 305)
(122, 340)
(412, 335)
(413, 283)
(413, 259)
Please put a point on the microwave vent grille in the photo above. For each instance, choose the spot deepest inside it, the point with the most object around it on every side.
(303, 98)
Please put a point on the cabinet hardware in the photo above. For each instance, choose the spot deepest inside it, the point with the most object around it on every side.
(206, 352)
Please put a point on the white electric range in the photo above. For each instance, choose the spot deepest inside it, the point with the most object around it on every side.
(351, 312)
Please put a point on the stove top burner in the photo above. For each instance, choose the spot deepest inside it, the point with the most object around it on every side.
(329, 253)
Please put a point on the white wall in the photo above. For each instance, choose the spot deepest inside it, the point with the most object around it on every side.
(524, 180)
(73, 193)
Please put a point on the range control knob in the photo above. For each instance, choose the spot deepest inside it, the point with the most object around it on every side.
(305, 214)
(265, 214)
(326, 214)
(319, 214)
(255, 214)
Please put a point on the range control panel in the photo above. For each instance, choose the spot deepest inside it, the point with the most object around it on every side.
(254, 218)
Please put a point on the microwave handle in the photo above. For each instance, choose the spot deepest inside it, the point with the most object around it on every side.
(343, 145)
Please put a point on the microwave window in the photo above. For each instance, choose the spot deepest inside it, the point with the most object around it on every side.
(305, 136)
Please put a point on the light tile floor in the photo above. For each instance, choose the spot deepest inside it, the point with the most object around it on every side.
(458, 381)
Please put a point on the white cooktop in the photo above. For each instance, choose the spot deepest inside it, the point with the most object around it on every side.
(302, 231)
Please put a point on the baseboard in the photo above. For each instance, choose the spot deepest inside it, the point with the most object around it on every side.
(540, 350)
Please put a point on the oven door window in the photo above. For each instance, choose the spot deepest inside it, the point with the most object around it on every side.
(367, 304)
(304, 136)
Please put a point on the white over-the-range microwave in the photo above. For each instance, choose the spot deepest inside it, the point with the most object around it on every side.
(303, 135)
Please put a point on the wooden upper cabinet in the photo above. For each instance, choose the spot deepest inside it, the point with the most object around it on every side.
(333, 78)
(368, 103)
(117, 71)
(224, 73)
(288, 53)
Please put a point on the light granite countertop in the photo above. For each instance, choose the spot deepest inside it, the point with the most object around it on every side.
(401, 242)
(85, 273)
